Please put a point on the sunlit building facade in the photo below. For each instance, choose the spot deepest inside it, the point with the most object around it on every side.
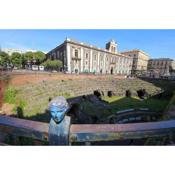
(78, 57)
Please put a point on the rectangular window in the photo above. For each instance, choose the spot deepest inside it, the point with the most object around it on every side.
(95, 56)
(58, 54)
(76, 53)
(86, 55)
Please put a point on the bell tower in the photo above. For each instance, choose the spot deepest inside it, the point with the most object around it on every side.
(112, 46)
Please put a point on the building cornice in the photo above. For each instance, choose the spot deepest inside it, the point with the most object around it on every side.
(161, 59)
(87, 46)
(94, 48)
(134, 51)
(55, 48)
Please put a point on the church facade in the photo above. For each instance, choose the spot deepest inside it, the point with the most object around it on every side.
(78, 57)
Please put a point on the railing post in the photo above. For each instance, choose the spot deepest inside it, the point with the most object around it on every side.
(59, 124)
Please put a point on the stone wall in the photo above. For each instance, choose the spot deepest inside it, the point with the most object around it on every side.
(38, 95)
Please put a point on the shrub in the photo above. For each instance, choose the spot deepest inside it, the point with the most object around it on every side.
(52, 64)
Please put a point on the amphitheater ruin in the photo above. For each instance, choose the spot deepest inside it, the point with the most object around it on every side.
(93, 99)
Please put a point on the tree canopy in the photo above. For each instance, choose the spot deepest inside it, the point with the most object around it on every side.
(4, 58)
(39, 56)
(20, 60)
(52, 64)
(29, 56)
(16, 59)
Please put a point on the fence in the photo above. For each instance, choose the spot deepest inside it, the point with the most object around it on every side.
(85, 132)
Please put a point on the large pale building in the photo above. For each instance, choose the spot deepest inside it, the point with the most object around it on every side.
(161, 67)
(140, 60)
(78, 57)
(9, 51)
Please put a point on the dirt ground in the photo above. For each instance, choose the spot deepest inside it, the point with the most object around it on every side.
(6, 109)
(3, 85)
(21, 79)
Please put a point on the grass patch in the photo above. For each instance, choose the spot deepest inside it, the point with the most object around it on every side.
(121, 103)
(10, 95)
(92, 109)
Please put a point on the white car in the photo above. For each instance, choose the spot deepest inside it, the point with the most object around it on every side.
(41, 68)
(54, 71)
(34, 67)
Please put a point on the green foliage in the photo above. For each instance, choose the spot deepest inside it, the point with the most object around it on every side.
(169, 108)
(11, 98)
(10, 95)
(39, 56)
(52, 64)
(16, 59)
(20, 60)
(20, 108)
(23, 60)
(4, 58)
(121, 103)
(29, 56)
(172, 102)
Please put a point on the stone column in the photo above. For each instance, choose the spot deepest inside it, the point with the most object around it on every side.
(98, 62)
(82, 58)
(104, 63)
(68, 57)
(91, 60)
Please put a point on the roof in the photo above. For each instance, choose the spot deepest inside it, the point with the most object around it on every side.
(161, 59)
(68, 40)
(134, 50)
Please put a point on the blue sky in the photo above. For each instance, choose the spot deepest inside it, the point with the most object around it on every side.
(157, 43)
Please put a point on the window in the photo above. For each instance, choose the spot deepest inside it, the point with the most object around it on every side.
(95, 56)
(76, 53)
(58, 54)
(54, 55)
(111, 48)
(86, 55)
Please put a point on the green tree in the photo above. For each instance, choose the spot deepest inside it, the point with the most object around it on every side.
(16, 59)
(29, 56)
(4, 58)
(23, 60)
(39, 56)
(52, 64)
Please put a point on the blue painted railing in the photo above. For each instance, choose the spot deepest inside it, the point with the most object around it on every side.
(60, 131)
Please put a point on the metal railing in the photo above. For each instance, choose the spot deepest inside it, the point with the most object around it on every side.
(84, 132)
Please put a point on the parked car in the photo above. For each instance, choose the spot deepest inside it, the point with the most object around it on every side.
(34, 67)
(54, 71)
(41, 68)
